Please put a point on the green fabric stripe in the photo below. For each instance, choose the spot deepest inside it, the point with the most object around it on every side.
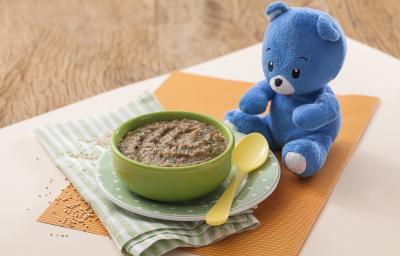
(115, 118)
(101, 127)
(130, 112)
(144, 104)
(81, 123)
(123, 111)
(103, 118)
(134, 108)
(51, 148)
(69, 139)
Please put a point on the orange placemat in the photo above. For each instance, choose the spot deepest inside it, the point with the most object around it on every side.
(71, 211)
(288, 215)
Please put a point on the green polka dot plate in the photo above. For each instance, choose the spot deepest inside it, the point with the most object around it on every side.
(260, 184)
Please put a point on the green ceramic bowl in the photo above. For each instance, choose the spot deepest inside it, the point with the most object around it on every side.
(169, 184)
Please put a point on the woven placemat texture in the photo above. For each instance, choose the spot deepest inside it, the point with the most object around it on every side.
(71, 211)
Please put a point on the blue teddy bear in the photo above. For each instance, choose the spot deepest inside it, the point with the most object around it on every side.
(303, 49)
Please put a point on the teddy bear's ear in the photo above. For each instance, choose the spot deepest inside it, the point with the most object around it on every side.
(327, 29)
(275, 9)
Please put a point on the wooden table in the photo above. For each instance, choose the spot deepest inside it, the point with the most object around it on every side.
(53, 53)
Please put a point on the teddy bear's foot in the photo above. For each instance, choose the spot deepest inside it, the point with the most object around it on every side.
(250, 123)
(305, 157)
(295, 162)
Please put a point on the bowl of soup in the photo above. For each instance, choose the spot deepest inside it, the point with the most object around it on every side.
(172, 156)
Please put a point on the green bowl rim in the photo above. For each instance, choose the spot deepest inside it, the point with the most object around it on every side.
(230, 142)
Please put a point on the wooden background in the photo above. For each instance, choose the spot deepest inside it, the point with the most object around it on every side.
(55, 52)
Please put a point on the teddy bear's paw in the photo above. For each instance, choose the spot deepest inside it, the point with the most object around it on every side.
(236, 120)
(295, 162)
(253, 103)
(305, 157)
(231, 118)
(243, 122)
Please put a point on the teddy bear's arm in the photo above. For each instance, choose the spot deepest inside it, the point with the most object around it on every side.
(255, 100)
(318, 114)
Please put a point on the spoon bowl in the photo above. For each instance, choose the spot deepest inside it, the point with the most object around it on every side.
(249, 154)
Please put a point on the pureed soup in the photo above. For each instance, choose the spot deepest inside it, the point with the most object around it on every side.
(173, 143)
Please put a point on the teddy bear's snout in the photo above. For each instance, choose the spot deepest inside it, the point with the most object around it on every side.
(281, 85)
(278, 82)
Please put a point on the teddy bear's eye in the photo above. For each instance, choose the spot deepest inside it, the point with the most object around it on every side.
(270, 66)
(295, 73)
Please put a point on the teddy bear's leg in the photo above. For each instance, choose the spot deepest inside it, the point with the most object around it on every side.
(251, 123)
(306, 156)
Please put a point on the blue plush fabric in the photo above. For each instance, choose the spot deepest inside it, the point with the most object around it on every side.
(303, 49)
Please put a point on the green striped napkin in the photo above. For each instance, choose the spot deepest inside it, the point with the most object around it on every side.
(76, 146)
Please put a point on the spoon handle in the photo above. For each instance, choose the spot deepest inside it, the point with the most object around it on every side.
(219, 213)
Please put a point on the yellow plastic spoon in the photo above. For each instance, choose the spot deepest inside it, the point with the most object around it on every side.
(249, 154)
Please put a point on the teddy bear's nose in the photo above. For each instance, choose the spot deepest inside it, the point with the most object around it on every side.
(278, 82)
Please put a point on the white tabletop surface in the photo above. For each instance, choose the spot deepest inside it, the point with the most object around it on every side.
(361, 217)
